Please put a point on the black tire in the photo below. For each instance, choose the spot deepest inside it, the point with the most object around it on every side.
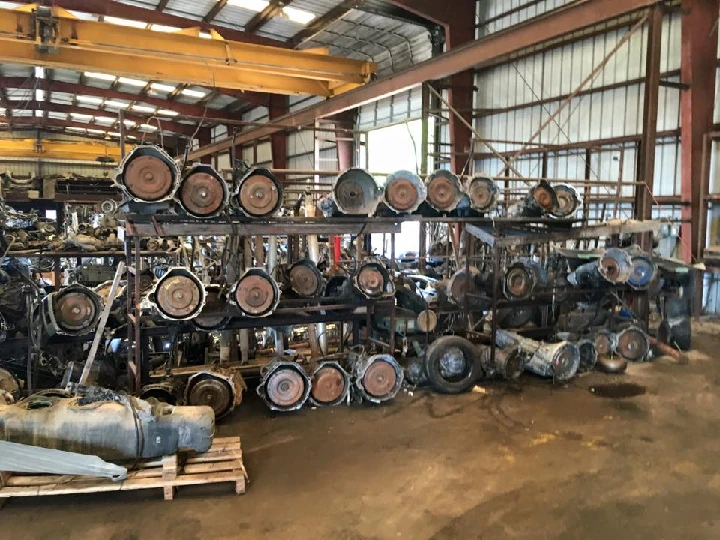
(464, 380)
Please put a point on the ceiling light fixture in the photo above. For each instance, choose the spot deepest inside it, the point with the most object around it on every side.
(162, 87)
(297, 15)
(166, 112)
(252, 5)
(163, 28)
(143, 108)
(89, 99)
(116, 105)
(193, 93)
(132, 82)
(101, 76)
(125, 22)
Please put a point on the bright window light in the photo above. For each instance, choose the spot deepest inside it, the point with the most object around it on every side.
(101, 76)
(116, 105)
(143, 108)
(79, 116)
(252, 5)
(132, 82)
(299, 16)
(39, 94)
(89, 99)
(39, 114)
(163, 28)
(125, 22)
(96, 131)
(193, 93)
(148, 127)
(39, 72)
(165, 112)
(162, 87)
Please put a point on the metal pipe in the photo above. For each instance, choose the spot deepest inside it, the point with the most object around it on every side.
(314, 256)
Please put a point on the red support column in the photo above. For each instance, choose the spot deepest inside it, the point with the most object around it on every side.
(698, 57)
(459, 23)
(278, 106)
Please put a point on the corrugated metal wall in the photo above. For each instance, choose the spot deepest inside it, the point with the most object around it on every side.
(496, 15)
(514, 100)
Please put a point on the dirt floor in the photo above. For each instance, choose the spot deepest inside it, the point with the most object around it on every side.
(507, 461)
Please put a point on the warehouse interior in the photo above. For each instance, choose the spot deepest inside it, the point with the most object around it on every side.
(400, 268)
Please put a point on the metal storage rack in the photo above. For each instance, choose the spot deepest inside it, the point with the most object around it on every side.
(138, 227)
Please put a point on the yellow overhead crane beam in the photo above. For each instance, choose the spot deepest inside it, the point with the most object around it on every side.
(52, 37)
(61, 150)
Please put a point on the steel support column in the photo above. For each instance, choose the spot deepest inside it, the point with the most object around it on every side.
(646, 160)
(698, 61)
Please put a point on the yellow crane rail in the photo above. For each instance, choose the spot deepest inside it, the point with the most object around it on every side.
(52, 37)
(61, 150)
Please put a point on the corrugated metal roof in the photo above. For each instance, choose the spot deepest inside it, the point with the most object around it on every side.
(191, 9)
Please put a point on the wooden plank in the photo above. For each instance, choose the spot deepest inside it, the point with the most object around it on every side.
(223, 464)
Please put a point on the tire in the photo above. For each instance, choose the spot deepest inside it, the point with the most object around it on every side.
(436, 369)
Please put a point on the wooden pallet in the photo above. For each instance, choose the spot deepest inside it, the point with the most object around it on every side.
(221, 463)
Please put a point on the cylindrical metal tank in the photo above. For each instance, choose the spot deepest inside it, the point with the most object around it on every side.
(107, 425)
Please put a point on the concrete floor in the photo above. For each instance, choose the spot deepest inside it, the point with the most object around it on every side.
(522, 461)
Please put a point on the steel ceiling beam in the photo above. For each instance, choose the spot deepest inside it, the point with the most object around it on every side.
(25, 122)
(273, 9)
(112, 8)
(191, 111)
(48, 149)
(319, 24)
(483, 52)
(167, 125)
(178, 58)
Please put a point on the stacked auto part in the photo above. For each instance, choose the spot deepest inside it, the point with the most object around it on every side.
(202, 192)
(404, 192)
(259, 193)
(284, 386)
(373, 280)
(73, 311)
(522, 279)
(148, 174)
(178, 295)
(256, 293)
(377, 378)
(330, 384)
(356, 193)
(221, 390)
(444, 191)
(305, 279)
(483, 193)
